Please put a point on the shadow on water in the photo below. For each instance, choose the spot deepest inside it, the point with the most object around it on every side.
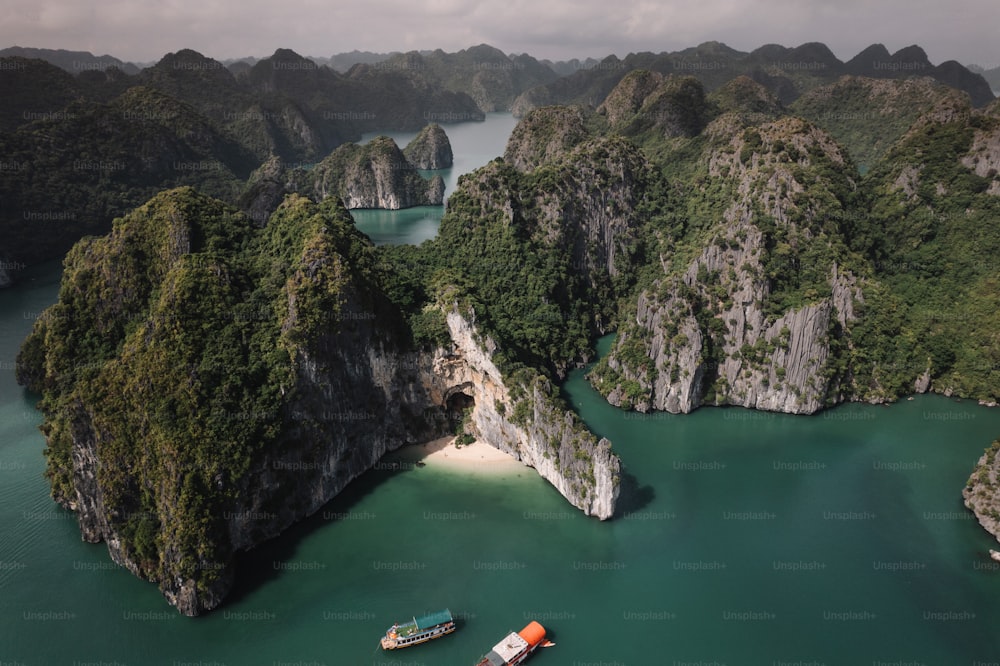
(632, 496)
(258, 566)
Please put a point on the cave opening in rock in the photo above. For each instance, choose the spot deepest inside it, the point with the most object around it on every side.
(458, 408)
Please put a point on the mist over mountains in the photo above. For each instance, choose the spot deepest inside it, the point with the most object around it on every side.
(874, 61)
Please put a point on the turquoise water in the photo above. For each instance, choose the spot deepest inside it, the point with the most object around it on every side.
(473, 145)
(747, 538)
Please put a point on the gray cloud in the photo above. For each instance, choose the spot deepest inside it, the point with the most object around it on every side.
(144, 30)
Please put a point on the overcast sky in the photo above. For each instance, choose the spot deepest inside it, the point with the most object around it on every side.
(144, 30)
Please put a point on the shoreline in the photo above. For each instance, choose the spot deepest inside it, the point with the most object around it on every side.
(443, 453)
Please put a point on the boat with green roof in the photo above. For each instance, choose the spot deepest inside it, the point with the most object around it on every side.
(418, 630)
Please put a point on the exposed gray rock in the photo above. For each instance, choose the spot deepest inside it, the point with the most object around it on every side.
(708, 335)
(923, 382)
(375, 175)
(628, 96)
(430, 149)
(980, 492)
(544, 134)
(267, 187)
(644, 100)
(358, 392)
(594, 212)
(984, 156)
(550, 439)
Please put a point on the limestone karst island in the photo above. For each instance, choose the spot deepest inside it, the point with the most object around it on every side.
(701, 347)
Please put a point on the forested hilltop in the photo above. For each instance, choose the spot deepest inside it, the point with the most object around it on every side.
(84, 139)
(741, 249)
(80, 150)
(786, 72)
(736, 247)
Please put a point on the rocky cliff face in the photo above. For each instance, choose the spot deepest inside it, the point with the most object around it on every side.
(430, 149)
(595, 212)
(521, 418)
(672, 106)
(354, 395)
(262, 369)
(984, 153)
(982, 492)
(738, 324)
(375, 175)
(543, 135)
(267, 187)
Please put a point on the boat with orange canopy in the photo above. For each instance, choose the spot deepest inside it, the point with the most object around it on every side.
(516, 646)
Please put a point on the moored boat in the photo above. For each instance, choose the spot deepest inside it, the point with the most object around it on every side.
(418, 630)
(516, 646)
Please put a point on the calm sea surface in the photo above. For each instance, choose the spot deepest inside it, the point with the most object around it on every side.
(746, 538)
(473, 144)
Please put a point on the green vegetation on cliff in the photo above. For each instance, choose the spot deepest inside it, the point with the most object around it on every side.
(931, 233)
(371, 175)
(73, 172)
(734, 247)
(767, 212)
(171, 359)
(79, 151)
(787, 73)
(540, 255)
(867, 116)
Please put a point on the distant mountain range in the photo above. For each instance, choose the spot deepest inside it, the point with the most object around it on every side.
(344, 61)
(787, 72)
(79, 150)
(992, 76)
(711, 62)
(73, 62)
(85, 138)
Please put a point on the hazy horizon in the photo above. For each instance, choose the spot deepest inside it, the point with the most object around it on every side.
(261, 56)
(964, 30)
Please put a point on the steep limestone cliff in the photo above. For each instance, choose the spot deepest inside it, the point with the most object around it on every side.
(374, 175)
(520, 416)
(267, 187)
(984, 153)
(669, 105)
(982, 492)
(749, 320)
(595, 210)
(207, 383)
(543, 135)
(215, 395)
(430, 149)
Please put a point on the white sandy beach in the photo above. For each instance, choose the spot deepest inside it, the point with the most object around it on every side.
(476, 456)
